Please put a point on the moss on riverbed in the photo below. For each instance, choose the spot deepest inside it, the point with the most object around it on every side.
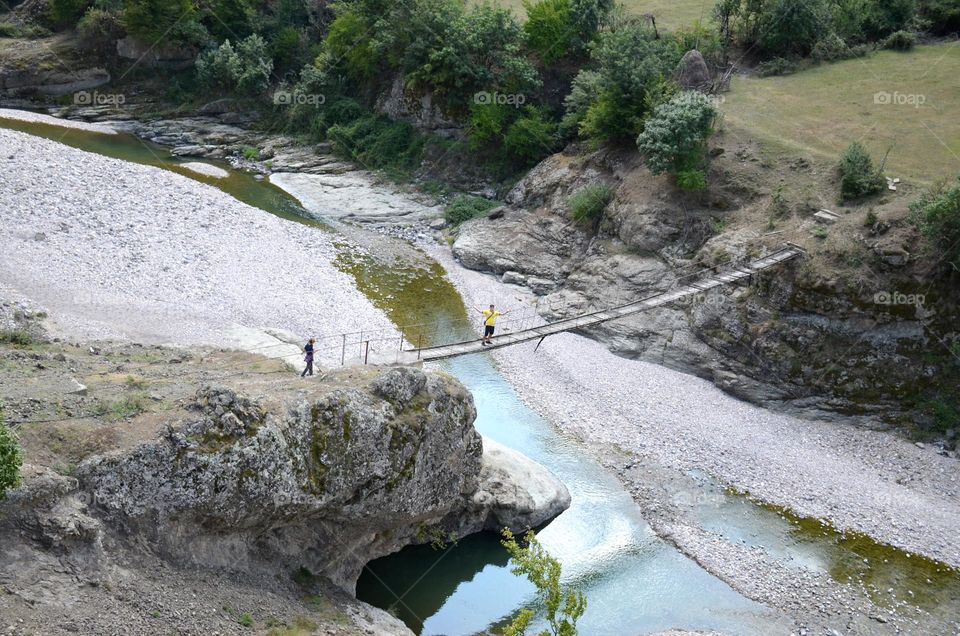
(887, 574)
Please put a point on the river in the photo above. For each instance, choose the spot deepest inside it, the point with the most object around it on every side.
(629, 576)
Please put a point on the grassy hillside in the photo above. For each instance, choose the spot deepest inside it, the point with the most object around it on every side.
(670, 14)
(826, 108)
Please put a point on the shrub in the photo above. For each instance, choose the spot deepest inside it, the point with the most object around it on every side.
(549, 29)
(245, 70)
(792, 27)
(858, 176)
(588, 203)
(608, 101)
(883, 17)
(464, 207)
(563, 610)
(11, 458)
(943, 15)
(226, 19)
(66, 13)
(937, 215)
(378, 142)
(100, 29)
(899, 41)
(168, 21)
(16, 337)
(777, 66)
(674, 139)
(830, 48)
(530, 137)
(487, 123)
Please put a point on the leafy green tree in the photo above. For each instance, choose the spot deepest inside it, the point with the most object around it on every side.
(792, 27)
(550, 29)
(530, 137)
(675, 137)
(164, 21)
(883, 17)
(589, 16)
(563, 610)
(245, 69)
(228, 19)
(943, 15)
(11, 458)
(858, 176)
(348, 44)
(66, 13)
(608, 101)
(937, 214)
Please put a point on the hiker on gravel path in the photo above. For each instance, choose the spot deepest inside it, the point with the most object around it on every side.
(489, 322)
(308, 357)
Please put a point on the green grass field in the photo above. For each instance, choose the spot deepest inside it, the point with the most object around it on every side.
(905, 101)
(670, 14)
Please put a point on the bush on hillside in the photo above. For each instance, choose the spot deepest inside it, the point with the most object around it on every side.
(227, 19)
(899, 41)
(588, 203)
(675, 137)
(378, 142)
(530, 138)
(65, 13)
(608, 99)
(792, 27)
(11, 458)
(830, 48)
(858, 176)
(943, 15)
(464, 207)
(550, 29)
(245, 69)
(100, 29)
(777, 66)
(164, 22)
(937, 215)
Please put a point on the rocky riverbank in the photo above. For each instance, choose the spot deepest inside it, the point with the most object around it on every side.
(654, 427)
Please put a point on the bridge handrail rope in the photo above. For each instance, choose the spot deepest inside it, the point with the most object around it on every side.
(792, 250)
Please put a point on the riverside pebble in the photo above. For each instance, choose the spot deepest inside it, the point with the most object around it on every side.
(136, 252)
(858, 479)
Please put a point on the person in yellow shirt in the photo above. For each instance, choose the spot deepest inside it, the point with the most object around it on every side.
(490, 322)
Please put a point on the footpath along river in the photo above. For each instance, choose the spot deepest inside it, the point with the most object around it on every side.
(634, 582)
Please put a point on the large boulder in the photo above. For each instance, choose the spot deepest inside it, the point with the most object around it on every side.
(326, 480)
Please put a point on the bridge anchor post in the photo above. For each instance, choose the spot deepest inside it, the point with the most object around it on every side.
(540, 342)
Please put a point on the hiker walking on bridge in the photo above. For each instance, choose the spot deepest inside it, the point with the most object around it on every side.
(489, 322)
(308, 357)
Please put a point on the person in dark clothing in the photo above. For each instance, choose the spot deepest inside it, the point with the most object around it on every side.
(308, 358)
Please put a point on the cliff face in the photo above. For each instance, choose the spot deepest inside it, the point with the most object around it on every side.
(324, 479)
(810, 337)
(327, 481)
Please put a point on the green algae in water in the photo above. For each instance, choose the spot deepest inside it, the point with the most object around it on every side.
(855, 558)
(419, 299)
(243, 186)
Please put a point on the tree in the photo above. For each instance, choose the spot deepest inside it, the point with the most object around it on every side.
(674, 139)
(245, 69)
(11, 458)
(792, 27)
(608, 101)
(937, 215)
(164, 21)
(858, 176)
(550, 29)
(562, 610)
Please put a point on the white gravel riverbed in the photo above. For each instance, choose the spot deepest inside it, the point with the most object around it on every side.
(118, 250)
(858, 479)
